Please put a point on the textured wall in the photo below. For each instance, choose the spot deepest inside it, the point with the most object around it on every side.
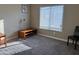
(12, 17)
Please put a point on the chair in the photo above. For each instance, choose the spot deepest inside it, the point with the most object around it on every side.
(74, 37)
(3, 39)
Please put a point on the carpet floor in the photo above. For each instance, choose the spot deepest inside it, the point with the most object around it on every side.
(13, 48)
(47, 46)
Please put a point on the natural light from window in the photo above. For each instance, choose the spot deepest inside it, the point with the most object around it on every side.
(51, 17)
(2, 26)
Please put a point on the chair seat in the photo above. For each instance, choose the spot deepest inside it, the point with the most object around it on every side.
(73, 37)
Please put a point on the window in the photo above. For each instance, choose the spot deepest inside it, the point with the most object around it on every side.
(51, 17)
(2, 26)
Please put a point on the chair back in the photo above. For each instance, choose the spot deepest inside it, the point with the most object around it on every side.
(76, 32)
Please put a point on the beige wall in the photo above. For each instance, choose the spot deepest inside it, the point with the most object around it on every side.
(70, 20)
(12, 16)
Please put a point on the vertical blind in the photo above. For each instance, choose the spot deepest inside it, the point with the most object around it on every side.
(51, 18)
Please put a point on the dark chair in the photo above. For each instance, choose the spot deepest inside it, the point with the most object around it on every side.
(74, 37)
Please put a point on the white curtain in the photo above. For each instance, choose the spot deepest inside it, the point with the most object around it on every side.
(51, 17)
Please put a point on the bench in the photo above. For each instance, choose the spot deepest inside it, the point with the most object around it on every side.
(26, 33)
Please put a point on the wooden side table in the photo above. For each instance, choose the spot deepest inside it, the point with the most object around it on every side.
(3, 39)
(26, 33)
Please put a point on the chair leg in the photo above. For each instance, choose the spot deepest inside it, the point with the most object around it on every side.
(73, 41)
(75, 45)
(5, 42)
(0, 42)
(68, 42)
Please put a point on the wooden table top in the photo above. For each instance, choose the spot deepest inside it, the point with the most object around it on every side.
(27, 30)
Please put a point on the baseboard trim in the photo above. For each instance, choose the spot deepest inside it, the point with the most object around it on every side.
(65, 40)
(10, 38)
